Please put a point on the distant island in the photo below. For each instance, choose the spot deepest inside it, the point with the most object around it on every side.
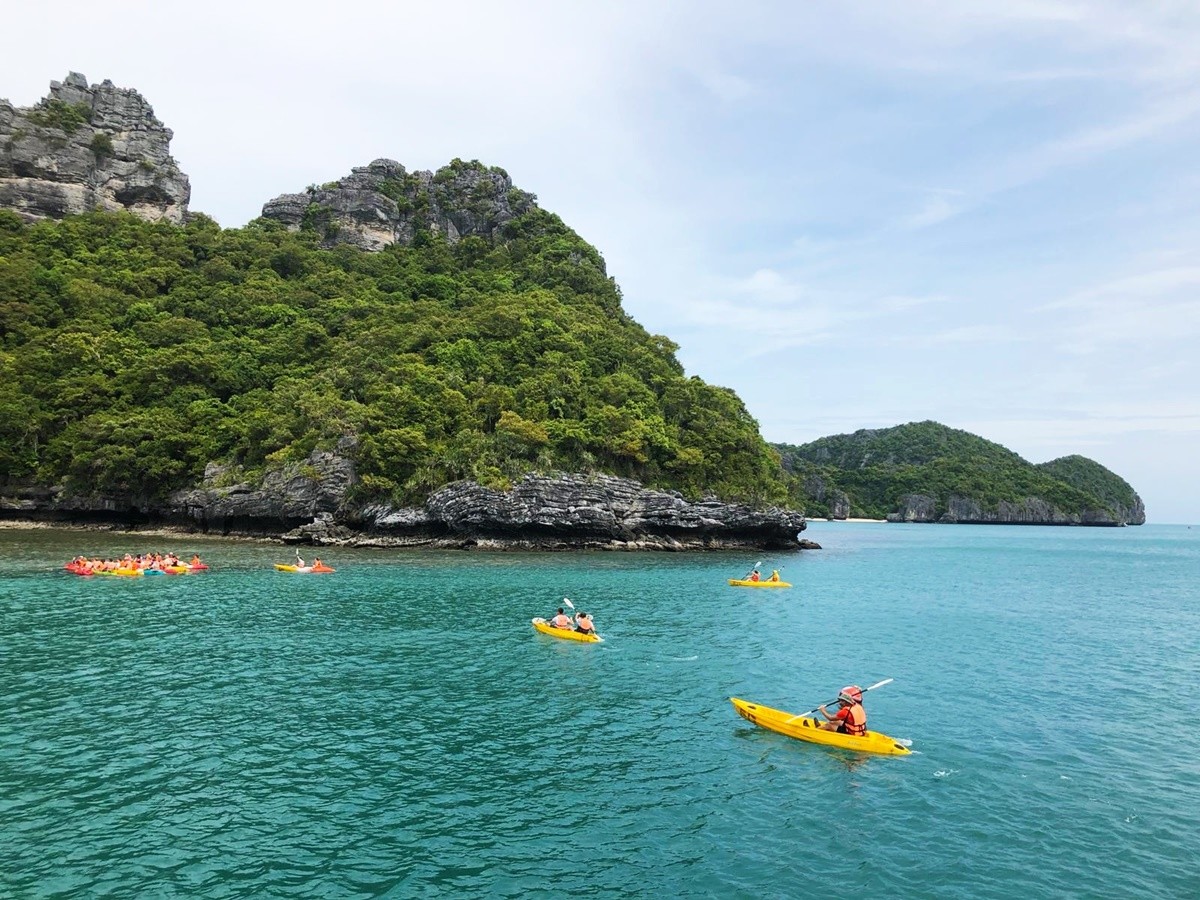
(927, 472)
(393, 357)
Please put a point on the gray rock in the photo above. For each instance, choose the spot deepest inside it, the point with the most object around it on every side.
(968, 511)
(284, 499)
(83, 148)
(308, 503)
(837, 501)
(573, 510)
(382, 204)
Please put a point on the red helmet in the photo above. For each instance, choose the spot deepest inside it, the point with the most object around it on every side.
(851, 693)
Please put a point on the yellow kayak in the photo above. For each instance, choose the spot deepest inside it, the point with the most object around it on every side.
(303, 570)
(806, 729)
(546, 628)
(738, 582)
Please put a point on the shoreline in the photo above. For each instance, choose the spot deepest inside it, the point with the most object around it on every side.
(884, 521)
(643, 544)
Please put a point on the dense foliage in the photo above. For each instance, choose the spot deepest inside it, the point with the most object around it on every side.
(1092, 478)
(878, 468)
(133, 353)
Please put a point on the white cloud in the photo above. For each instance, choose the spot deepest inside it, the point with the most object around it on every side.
(938, 208)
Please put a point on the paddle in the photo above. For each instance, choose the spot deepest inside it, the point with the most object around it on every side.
(757, 565)
(802, 715)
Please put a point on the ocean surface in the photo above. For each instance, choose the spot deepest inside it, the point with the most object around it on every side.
(398, 728)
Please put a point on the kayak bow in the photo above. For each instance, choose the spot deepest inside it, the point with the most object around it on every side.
(805, 729)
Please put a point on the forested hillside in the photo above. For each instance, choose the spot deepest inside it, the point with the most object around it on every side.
(876, 472)
(1094, 479)
(134, 353)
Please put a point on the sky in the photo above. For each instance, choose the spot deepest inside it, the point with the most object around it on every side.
(855, 215)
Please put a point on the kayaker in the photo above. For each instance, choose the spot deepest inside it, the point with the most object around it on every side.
(754, 576)
(561, 620)
(851, 718)
(583, 623)
(774, 575)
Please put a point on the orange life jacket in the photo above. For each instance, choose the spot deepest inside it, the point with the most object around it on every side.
(856, 720)
(561, 621)
(754, 576)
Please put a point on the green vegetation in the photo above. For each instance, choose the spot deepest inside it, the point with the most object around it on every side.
(1092, 478)
(133, 353)
(878, 468)
(102, 145)
(58, 114)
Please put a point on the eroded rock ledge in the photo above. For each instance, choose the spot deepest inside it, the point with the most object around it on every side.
(1030, 511)
(308, 504)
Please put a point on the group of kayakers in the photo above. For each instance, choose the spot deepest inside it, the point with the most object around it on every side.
(580, 622)
(140, 562)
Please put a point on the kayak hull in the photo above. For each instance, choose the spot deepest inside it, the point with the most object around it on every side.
(304, 570)
(738, 582)
(544, 627)
(806, 729)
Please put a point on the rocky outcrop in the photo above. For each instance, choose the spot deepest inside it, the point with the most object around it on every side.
(284, 499)
(966, 511)
(308, 503)
(84, 147)
(836, 500)
(382, 204)
(574, 511)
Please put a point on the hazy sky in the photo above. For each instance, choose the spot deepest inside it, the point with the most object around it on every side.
(853, 214)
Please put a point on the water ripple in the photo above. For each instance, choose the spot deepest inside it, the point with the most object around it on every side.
(246, 733)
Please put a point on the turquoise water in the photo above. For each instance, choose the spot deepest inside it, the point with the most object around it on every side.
(398, 729)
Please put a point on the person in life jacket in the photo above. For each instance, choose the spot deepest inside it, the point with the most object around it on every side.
(851, 718)
(561, 620)
(583, 623)
(754, 576)
(774, 575)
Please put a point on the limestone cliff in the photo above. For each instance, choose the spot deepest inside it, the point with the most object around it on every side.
(383, 203)
(84, 147)
(967, 511)
(311, 503)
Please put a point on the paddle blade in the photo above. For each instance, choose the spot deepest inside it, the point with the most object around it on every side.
(567, 601)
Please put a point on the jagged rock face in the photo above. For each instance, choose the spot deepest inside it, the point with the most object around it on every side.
(308, 503)
(838, 501)
(540, 511)
(963, 510)
(85, 147)
(283, 499)
(579, 510)
(382, 204)
(1135, 515)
